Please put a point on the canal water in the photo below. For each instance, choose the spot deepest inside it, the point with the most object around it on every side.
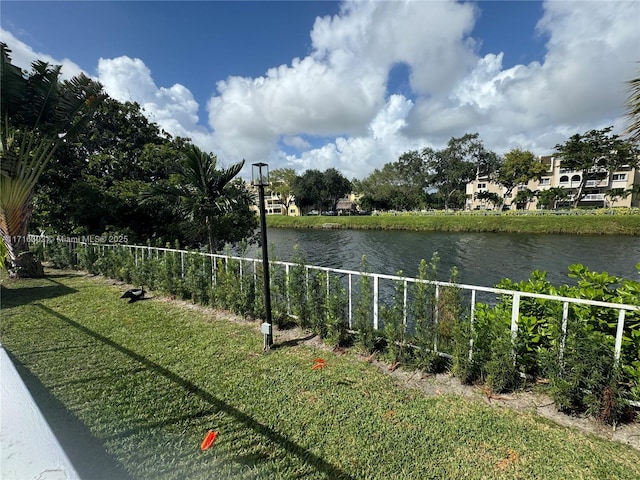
(481, 258)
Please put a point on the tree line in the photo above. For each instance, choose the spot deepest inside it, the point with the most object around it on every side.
(431, 178)
(76, 162)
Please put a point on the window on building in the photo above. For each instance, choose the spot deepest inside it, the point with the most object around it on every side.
(482, 185)
(617, 177)
(564, 178)
(545, 181)
(575, 178)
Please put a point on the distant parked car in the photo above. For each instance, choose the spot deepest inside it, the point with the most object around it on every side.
(314, 212)
(330, 213)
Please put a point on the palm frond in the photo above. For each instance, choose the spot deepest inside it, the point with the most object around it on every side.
(633, 110)
(12, 92)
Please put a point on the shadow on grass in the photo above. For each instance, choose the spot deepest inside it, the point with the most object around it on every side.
(313, 461)
(16, 295)
(87, 454)
(293, 342)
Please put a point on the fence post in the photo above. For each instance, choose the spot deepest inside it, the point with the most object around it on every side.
(436, 314)
(286, 283)
(619, 331)
(515, 310)
(405, 305)
(471, 319)
(255, 272)
(563, 339)
(375, 302)
(350, 304)
(328, 284)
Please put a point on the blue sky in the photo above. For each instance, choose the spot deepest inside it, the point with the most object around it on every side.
(347, 85)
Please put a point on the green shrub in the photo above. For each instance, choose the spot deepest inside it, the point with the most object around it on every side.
(500, 370)
(580, 363)
(336, 313)
(279, 296)
(197, 281)
(316, 299)
(394, 318)
(363, 311)
(586, 380)
(423, 310)
(298, 290)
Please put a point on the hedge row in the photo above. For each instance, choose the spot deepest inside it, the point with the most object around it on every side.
(431, 332)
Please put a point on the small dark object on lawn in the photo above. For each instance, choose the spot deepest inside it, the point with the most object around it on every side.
(134, 294)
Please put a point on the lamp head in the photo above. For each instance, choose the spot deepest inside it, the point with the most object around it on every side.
(260, 174)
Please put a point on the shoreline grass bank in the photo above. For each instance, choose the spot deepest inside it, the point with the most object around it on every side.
(133, 389)
(583, 224)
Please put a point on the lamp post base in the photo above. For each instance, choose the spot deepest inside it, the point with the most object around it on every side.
(267, 330)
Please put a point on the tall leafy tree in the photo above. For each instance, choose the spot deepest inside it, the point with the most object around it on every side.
(320, 190)
(198, 190)
(490, 197)
(399, 185)
(336, 186)
(518, 168)
(39, 113)
(595, 154)
(282, 180)
(92, 185)
(308, 189)
(451, 169)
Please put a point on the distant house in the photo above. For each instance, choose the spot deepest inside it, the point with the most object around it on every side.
(274, 205)
(345, 206)
(601, 192)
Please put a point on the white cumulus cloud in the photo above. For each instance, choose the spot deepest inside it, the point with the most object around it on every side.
(23, 56)
(334, 107)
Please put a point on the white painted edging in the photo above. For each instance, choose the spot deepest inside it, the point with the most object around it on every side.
(28, 447)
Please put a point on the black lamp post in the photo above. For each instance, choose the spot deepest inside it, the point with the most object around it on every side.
(260, 179)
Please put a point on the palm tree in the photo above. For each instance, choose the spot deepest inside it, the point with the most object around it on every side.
(38, 114)
(550, 197)
(633, 109)
(616, 194)
(523, 198)
(198, 190)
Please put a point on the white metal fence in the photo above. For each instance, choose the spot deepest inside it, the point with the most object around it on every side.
(140, 252)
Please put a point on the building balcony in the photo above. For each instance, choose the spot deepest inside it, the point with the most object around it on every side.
(593, 197)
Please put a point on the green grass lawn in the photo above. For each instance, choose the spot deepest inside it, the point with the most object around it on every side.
(473, 222)
(132, 389)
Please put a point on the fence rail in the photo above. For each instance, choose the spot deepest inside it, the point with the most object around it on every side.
(142, 251)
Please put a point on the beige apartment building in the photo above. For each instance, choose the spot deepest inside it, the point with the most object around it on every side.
(599, 193)
(273, 203)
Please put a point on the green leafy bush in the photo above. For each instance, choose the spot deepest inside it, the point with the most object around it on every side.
(394, 318)
(363, 312)
(423, 310)
(336, 313)
(579, 362)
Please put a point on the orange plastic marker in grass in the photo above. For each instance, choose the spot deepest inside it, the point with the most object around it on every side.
(208, 440)
(318, 363)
